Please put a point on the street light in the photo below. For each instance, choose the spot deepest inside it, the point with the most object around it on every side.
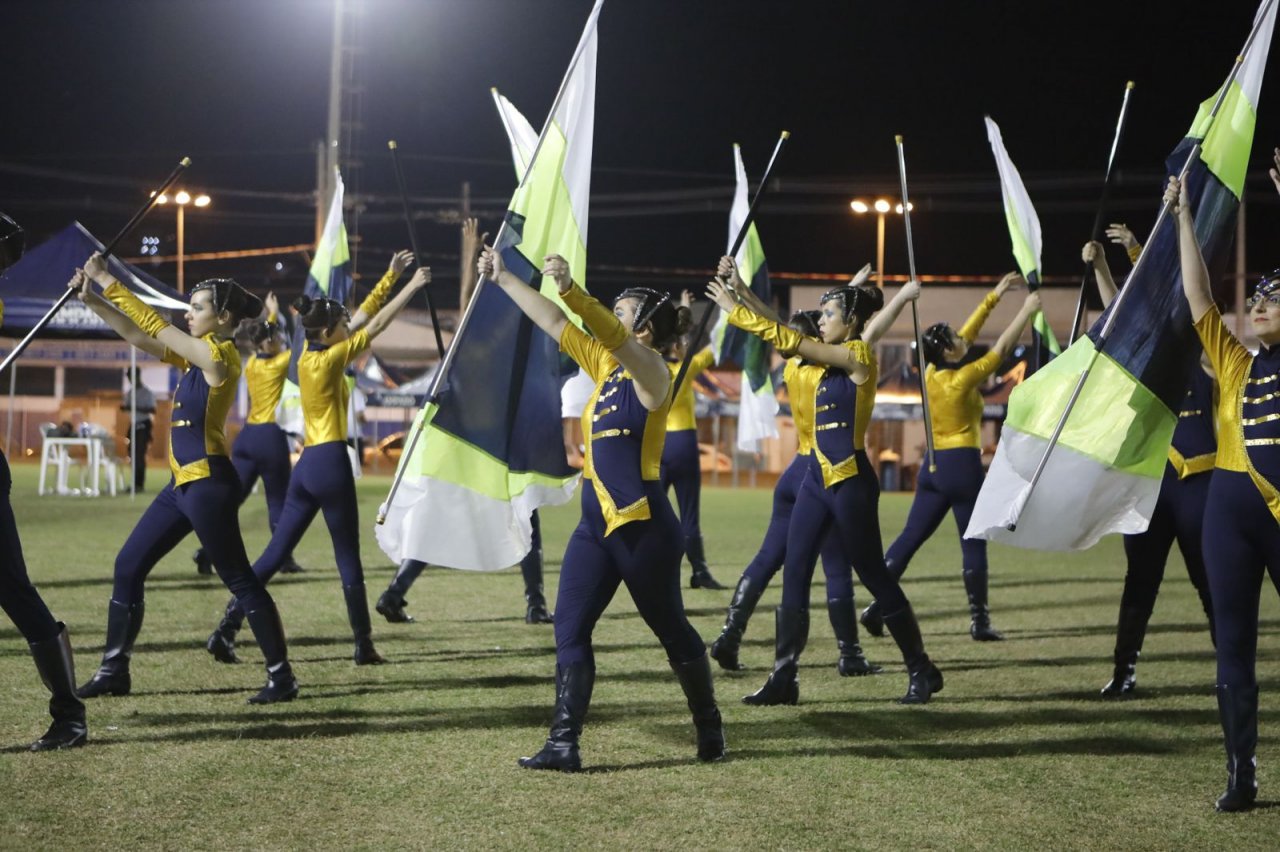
(181, 199)
(882, 208)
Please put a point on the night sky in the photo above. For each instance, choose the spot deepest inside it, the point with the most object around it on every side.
(101, 98)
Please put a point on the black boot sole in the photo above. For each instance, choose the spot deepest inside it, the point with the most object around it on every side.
(67, 739)
(95, 689)
(275, 698)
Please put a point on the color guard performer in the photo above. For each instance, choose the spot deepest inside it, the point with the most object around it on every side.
(840, 490)
(956, 405)
(628, 533)
(204, 493)
(323, 479)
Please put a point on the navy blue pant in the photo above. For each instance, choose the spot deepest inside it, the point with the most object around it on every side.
(262, 450)
(1178, 516)
(954, 486)
(18, 598)
(321, 482)
(773, 550)
(644, 555)
(208, 506)
(852, 509)
(1241, 541)
(682, 469)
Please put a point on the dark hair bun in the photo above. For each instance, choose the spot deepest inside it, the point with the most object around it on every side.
(251, 305)
(302, 304)
(873, 300)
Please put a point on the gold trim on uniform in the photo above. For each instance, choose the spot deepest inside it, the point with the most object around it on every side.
(1254, 421)
(1262, 442)
(833, 473)
(1186, 467)
(1255, 400)
(1263, 380)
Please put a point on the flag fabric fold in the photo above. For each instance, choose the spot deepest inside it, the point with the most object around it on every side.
(758, 406)
(1024, 231)
(492, 448)
(1104, 473)
(330, 273)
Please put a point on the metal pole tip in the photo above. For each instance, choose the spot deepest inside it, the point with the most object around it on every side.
(1129, 85)
(391, 143)
(786, 134)
(186, 161)
(898, 138)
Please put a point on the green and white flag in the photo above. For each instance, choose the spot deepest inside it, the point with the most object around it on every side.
(1024, 231)
(758, 408)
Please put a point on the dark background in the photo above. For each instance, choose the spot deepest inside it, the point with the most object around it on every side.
(102, 98)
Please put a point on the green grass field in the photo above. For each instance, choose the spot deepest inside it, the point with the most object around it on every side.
(1017, 752)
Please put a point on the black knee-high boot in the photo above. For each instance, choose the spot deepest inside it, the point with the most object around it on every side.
(222, 641)
(975, 586)
(57, 669)
(745, 597)
(1131, 629)
(844, 622)
(926, 678)
(112, 677)
(1238, 710)
(783, 685)
(269, 631)
(695, 680)
(872, 618)
(358, 614)
(535, 601)
(573, 696)
(701, 577)
(391, 603)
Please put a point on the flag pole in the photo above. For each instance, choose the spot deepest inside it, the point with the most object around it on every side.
(413, 242)
(915, 313)
(106, 252)
(733, 252)
(438, 382)
(1114, 308)
(1096, 232)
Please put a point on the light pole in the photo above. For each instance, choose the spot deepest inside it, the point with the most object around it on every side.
(882, 208)
(181, 199)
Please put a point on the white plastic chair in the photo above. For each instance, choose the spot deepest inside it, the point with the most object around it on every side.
(57, 455)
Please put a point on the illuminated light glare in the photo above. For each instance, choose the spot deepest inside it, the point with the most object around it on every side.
(162, 199)
(182, 197)
(279, 266)
(858, 206)
(202, 200)
(882, 206)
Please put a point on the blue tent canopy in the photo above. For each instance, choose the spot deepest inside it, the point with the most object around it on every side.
(30, 287)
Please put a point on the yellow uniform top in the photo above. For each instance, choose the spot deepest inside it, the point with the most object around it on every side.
(198, 426)
(324, 388)
(682, 413)
(802, 380)
(954, 401)
(321, 384)
(841, 413)
(1233, 364)
(265, 377)
(623, 439)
